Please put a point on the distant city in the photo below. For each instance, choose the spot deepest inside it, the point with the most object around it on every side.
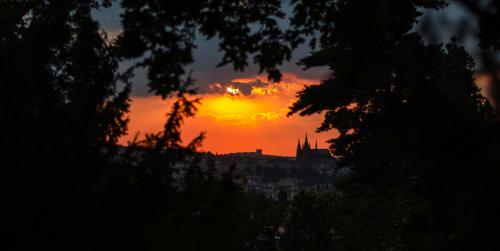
(279, 177)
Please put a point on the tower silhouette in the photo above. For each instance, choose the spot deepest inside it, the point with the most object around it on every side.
(299, 150)
(306, 144)
(306, 154)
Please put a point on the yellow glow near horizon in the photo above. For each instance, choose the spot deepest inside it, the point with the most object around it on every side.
(225, 105)
(238, 110)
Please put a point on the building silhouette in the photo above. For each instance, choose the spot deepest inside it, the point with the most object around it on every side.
(306, 154)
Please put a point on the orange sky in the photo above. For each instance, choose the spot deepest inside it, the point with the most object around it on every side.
(240, 116)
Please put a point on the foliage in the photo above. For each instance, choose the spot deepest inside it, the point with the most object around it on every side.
(410, 119)
(161, 35)
(420, 138)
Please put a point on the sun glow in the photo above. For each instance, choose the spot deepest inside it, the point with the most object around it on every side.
(227, 110)
(233, 91)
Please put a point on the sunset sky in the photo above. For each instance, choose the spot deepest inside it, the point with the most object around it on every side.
(238, 116)
(250, 114)
(255, 117)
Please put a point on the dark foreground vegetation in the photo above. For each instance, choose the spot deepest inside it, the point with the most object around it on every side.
(423, 142)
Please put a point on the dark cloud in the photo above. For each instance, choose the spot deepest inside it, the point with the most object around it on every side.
(206, 57)
(244, 88)
(207, 54)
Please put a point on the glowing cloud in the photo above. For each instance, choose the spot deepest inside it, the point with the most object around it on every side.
(232, 90)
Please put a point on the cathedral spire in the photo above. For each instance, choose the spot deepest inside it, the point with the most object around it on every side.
(306, 144)
(299, 151)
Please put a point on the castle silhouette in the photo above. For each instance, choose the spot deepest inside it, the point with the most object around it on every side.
(305, 153)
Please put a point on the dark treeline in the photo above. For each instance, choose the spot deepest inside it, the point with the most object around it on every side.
(423, 143)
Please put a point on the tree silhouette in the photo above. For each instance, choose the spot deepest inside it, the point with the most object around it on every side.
(421, 140)
(71, 185)
(409, 114)
(488, 16)
(162, 36)
(65, 114)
